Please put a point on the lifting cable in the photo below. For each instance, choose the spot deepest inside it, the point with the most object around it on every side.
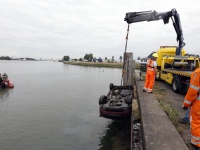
(123, 71)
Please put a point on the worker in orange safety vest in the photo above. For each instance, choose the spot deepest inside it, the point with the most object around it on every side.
(192, 100)
(151, 72)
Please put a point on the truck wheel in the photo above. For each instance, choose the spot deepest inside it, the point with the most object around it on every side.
(111, 86)
(176, 84)
(102, 99)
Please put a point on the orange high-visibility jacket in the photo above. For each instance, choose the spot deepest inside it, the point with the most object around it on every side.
(192, 99)
(192, 96)
(150, 76)
(150, 64)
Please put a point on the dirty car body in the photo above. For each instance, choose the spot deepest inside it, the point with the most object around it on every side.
(118, 102)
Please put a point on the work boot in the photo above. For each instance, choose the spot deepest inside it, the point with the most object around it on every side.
(195, 147)
(144, 90)
(183, 121)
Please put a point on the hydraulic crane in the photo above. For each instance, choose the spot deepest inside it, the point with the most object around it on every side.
(133, 17)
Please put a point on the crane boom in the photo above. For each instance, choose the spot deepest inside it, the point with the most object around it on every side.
(134, 17)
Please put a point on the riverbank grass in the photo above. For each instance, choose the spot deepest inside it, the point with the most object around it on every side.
(100, 64)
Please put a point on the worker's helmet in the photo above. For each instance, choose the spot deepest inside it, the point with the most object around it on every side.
(155, 55)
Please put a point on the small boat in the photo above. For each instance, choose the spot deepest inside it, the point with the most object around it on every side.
(118, 102)
(7, 83)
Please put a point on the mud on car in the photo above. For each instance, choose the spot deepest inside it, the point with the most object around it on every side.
(117, 103)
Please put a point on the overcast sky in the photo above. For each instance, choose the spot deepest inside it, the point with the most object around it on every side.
(54, 28)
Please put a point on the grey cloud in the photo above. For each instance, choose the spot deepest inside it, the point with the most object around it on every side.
(55, 28)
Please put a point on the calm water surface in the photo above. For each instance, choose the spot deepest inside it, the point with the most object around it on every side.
(54, 106)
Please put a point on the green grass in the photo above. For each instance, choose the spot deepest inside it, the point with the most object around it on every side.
(100, 64)
(95, 64)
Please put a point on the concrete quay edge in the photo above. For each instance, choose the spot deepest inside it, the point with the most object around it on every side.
(159, 132)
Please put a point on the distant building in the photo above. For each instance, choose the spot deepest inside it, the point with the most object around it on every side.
(14, 58)
(143, 60)
(84, 60)
(22, 59)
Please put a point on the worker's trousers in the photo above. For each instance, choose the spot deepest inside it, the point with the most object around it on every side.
(150, 79)
(195, 126)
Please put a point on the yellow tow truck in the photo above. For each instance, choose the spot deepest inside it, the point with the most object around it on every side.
(174, 65)
(176, 69)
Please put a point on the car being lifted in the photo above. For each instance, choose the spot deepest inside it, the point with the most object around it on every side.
(118, 102)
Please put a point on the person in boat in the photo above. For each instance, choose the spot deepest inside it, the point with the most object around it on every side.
(5, 76)
(1, 79)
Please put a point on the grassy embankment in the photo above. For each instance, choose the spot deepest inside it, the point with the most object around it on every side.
(101, 64)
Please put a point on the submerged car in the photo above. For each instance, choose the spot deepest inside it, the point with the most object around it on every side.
(118, 102)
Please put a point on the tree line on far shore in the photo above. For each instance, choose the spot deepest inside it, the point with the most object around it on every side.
(90, 58)
(9, 58)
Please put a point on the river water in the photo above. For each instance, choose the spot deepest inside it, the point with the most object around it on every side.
(54, 106)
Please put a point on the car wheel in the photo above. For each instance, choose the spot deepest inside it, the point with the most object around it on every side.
(176, 84)
(102, 99)
(128, 100)
(111, 86)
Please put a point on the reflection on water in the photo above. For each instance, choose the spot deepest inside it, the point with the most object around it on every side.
(117, 135)
(4, 93)
(4, 100)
